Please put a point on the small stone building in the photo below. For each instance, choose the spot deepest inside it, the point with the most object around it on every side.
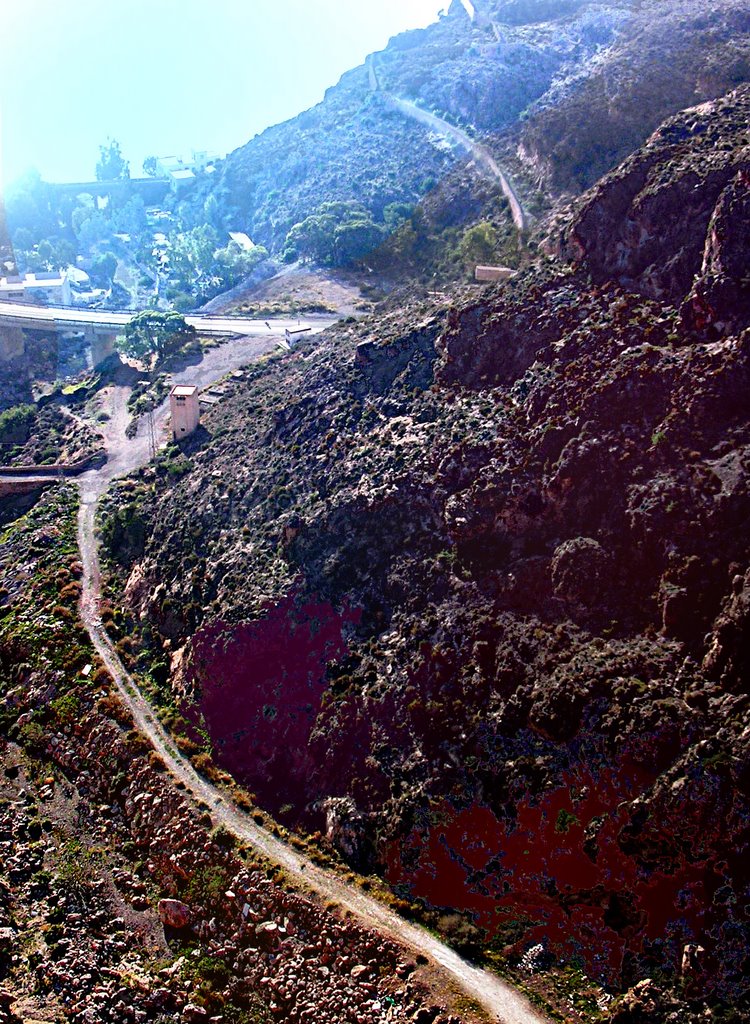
(184, 407)
(493, 273)
(294, 335)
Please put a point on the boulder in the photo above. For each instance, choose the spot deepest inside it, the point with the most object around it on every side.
(174, 914)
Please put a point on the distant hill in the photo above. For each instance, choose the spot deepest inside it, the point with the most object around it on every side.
(576, 85)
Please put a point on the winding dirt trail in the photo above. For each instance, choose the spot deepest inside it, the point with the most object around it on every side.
(499, 999)
(482, 156)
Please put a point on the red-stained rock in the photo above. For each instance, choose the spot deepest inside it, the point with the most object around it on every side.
(174, 914)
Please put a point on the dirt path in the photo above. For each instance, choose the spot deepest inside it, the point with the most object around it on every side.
(480, 153)
(503, 1002)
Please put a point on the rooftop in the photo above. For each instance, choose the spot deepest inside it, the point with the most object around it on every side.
(184, 390)
(41, 280)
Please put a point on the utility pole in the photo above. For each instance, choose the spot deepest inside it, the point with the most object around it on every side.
(151, 433)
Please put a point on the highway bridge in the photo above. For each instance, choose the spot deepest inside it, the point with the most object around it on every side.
(100, 327)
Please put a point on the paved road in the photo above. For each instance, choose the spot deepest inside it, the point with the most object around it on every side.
(27, 315)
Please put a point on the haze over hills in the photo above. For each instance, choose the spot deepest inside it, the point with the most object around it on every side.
(452, 597)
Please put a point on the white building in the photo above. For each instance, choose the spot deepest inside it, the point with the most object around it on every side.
(181, 172)
(294, 335)
(494, 273)
(52, 288)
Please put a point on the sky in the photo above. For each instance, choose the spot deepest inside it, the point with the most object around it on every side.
(168, 76)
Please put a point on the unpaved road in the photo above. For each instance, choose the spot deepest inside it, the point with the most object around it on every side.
(481, 154)
(499, 999)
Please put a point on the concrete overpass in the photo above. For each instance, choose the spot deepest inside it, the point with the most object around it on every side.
(151, 190)
(100, 327)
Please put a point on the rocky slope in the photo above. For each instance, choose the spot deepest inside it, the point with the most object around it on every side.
(466, 587)
(668, 55)
(119, 900)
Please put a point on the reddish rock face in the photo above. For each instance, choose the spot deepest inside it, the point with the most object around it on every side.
(567, 868)
(259, 688)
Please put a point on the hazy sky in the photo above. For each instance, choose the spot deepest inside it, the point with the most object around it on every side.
(168, 76)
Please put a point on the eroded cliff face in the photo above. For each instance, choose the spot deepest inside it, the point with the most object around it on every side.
(521, 521)
(675, 210)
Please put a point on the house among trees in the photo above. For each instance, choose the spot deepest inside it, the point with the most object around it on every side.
(34, 288)
(184, 407)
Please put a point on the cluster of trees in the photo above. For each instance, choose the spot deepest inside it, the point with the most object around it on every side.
(341, 233)
(199, 268)
(50, 228)
(111, 165)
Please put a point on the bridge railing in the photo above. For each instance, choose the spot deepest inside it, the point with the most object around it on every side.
(127, 311)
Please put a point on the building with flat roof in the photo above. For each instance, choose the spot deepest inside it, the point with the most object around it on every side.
(184, 408)
(181, 172)
(48, 287)
(494, 273)
(294, 335)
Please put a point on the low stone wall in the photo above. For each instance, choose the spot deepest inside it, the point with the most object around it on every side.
(55, 469)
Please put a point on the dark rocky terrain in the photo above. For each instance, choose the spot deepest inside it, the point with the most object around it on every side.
(119, 899)
(466, 587)
(461, 589)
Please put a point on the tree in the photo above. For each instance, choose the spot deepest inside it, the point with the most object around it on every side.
(103, 270)
(355, 239)
(64, 253)
(111, 166)
(131, 218)
(28, 204)
(150, 168)
(312, 239)
(23, 239)
(153, 333)
(235, 263)
(336, 234)
(396, 214)
(478, 244)
(93, 229)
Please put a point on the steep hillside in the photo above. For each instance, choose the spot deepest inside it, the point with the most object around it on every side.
(473, 578)
(670, 54)
(355, 146)
(578, 84)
